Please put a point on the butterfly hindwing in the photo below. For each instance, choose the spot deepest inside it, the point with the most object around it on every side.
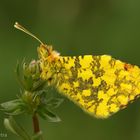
(100, 85)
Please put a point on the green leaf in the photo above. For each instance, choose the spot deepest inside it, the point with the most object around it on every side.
(51, 117)
(16, 112)
(42, 115)
(54, 102)
(39, 84)
(18, 76)
(28, 82)
(8, 126)
(48, 115)
(14, 107)
(15, 128)
(17, 69)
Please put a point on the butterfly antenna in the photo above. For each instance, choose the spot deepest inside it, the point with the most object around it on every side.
(20, 27)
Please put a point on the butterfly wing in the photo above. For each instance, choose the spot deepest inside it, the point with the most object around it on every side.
(100, 85)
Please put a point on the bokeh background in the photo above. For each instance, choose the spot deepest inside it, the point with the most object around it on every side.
(73, 27)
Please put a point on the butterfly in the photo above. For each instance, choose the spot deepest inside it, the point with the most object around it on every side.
(100, 85)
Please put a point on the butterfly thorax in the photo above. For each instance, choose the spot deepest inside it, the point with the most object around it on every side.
(49, 63)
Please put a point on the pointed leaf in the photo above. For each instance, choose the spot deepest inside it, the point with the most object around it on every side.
(11, 105)
(54, 102)
(28, 83)
(42, 115)
(14, 127)
(17, 69)
(39, 84)
(18, 74)
(51, 117)
(8, 126)
(16, 112)
(48, 115)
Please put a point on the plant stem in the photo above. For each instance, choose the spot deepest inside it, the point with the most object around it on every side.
(36, 123)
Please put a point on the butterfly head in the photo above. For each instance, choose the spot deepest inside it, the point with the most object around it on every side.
(47, 56)
(46, 53)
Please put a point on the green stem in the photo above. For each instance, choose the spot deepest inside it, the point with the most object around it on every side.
(36, 123)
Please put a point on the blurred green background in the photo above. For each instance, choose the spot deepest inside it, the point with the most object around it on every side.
(73, 27)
